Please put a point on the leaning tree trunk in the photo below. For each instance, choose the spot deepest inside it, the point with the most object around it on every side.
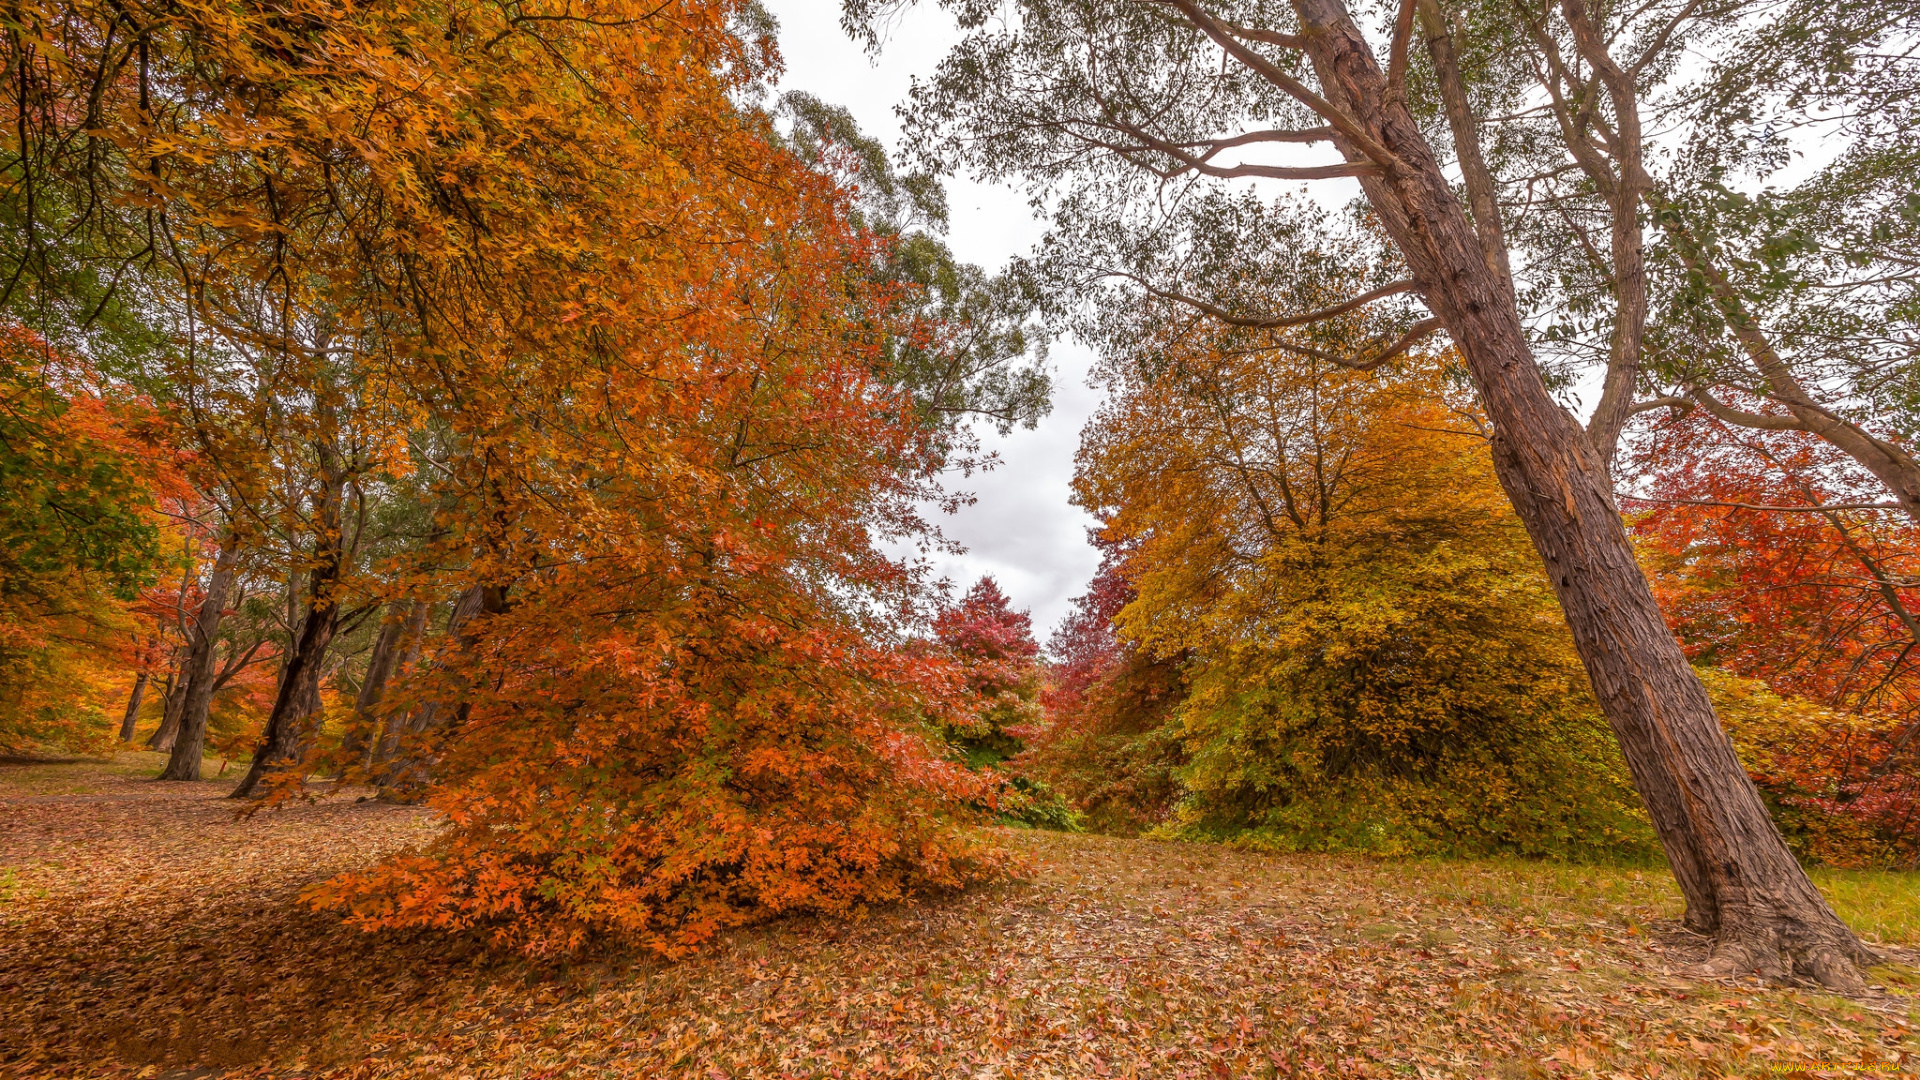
(296, 703)
(1741, 883)
(393, 722)
(363, 734)
(132, 716)
(174, 697)
(183, 763)
(404, 773)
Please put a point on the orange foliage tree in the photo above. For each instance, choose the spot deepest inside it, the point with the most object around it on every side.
(672, 701)
(80, 467)
(644, 371)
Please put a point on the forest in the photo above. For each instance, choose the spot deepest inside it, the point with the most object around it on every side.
(470, 472)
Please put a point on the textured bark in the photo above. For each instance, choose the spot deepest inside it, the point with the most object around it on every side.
(183, 762)
(1483, 198)
(394, 722)
(1627, 245)
(132, 716)
(1741, 882)
(284, 742)
(363, 735)
(176, 696)
(404, 775)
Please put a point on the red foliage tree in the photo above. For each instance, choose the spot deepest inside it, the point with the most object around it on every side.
(1104, 742)
(999, 665)
(1775, 561)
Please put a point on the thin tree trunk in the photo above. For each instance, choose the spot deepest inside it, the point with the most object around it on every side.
(133, 706)
(183, 763)
(394, 722)
(1741, 882)
(297, 700)
(357, 747)
(405, 774)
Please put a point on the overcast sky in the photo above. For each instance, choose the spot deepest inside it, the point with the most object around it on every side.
(1022, 529)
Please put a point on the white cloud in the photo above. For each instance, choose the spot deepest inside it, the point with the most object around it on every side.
(1021, 529)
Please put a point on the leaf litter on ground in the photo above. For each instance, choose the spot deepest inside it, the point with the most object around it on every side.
(146, 931)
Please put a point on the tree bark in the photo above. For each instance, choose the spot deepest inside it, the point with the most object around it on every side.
(183, 762)
(404, 776)
(176, 696)
(284, 742)
(357, 748)
(133, 706)
(1741, 883)
(394, 722)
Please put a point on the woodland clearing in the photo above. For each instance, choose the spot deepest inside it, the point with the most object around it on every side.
(147, 931)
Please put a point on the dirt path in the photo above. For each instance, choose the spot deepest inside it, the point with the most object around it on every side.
(145, 931)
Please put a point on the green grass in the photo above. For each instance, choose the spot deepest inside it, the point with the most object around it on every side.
(1882, 905)
(87, 776)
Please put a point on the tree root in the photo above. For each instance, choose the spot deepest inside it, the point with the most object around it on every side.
(1793, 957)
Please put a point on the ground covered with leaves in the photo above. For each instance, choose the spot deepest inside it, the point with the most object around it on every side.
(145, 931)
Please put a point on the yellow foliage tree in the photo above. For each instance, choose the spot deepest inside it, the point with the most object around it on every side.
(1376, 662)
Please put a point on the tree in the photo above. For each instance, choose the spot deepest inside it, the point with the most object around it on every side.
(999, 663)
(1120, 107)
(1793, 309)
(695, 654)
(79, 473)
(1776, 563)
(653, 383)
(1106, 742)
(1372, 657)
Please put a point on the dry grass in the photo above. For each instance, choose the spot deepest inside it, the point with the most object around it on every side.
(145, 931)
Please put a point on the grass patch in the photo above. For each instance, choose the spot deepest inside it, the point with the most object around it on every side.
(1882, 905)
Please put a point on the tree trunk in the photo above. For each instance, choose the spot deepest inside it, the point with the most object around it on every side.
(356, 749)
(133, 706)
(1741, 883)
(405, 774)
(394, 722)
(183, 763)
(297, 700)
(176, 696)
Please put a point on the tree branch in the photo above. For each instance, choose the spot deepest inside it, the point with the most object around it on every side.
(1677, 404)
(1828, 509)
(1269, 37)
(1373, 360)
(1740, 418)
(1266, 322)
(1397, 52)
(1268, 70)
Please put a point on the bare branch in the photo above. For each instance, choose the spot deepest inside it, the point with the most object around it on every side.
(1268, 70)
(1741, 418)
(1660, 40)
(1677, 404)
(1283, 135)
(1269, 37)
(1266, 322)
(1372, 360)
(1397, 53)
